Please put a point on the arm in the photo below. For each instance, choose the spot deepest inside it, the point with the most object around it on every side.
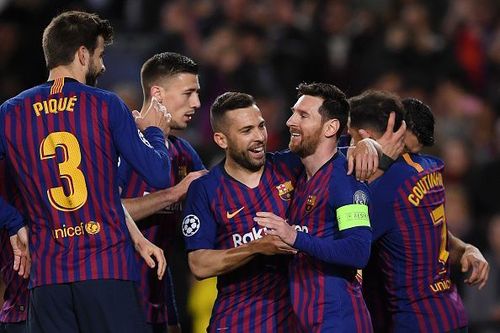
(145, 248)
(471, 259)
(352, 249)
(142, 207)
(146, 154)
(205, 263)
(10, 218)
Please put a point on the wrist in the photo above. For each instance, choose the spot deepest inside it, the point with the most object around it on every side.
(385, 162)
(292, 236)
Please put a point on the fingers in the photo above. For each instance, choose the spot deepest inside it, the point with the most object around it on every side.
(162, 263)
(484, 273)
(472, 279)
(465, 264)
(350, 162)
(136, 114)
(390, 123)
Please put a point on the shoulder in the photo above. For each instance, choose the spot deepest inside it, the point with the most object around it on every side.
(345, 188)
(210, 181)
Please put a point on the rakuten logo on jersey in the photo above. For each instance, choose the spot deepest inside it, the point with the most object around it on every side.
(252, 235)
(255, 234)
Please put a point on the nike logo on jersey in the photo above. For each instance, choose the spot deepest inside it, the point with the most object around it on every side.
(233, 214)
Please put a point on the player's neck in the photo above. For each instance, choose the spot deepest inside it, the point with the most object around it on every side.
(66, 71)
(315, 161)
(243, 175)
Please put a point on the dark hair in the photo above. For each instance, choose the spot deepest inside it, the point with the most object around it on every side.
(227, 102)
(70, 30)
(420, 120)
(164, 65)
(372, 108)
(335, 105)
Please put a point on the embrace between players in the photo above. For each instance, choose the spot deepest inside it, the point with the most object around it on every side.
(285, 232)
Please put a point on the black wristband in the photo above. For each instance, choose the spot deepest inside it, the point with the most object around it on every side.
(385, 162)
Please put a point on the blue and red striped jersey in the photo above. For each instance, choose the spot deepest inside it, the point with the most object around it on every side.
(325, 296)
(219, 214)
(62, 140)
(15, 306)
(158, 297)
(410, 247)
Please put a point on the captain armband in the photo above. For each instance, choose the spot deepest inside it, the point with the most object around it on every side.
(351, 216)
(385, 162)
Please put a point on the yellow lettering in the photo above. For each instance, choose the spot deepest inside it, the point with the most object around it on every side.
(37, 107)
(418, 192)
(52, 105)
(71, 231)
(71, 103)
(78, 230)
(61, 105)
(413, 200)
(60, 232)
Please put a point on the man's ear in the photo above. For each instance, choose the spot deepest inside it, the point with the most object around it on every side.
(220, 139)
(83, 55)
(155, 91)
(332, 126)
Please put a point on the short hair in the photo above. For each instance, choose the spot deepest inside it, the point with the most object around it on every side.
(69, 31)
(334, 106)
(164, 65)
(372, 108)
(420, 120)
(227, 102)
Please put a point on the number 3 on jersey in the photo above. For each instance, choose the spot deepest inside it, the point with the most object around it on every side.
(68, 170)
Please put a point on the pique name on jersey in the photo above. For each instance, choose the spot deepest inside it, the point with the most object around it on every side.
(55, 105)
(423, 186)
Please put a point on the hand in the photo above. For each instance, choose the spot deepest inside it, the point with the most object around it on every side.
(365, 157)
(270, 245)
(183, 185)
(148, 251)
(20, 247)
(473, 259)
(392, 143)
(155, 115)
(276, 226)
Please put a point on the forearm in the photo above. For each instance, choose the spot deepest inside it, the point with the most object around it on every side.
(142, 207)
(208, 263)
(133, 229)
(456, 248)
(352, 250)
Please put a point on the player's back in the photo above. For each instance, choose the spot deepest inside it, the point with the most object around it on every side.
(62, 139)
(410, 246)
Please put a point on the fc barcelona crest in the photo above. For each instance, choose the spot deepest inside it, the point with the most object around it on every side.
(310, 203)
(285, 190)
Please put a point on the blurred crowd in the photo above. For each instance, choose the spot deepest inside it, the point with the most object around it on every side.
(446, 53)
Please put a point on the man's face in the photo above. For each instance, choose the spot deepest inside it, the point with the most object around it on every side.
(96, 63)
(246, 137)
(305, 125)
(179, 94)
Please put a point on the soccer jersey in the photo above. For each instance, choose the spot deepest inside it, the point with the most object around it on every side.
(325, 296)
(14, 308)
(157, 296)
(410, 247)
(219, 215)
(62, 140)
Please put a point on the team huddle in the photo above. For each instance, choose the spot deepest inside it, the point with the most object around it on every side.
(343, 232)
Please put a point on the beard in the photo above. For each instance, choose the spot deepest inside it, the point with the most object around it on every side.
(92, 75)
(242, 159)
(306, 147)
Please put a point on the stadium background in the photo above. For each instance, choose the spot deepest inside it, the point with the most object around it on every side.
(446, 53)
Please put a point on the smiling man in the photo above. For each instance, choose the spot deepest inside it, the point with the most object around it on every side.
(220, 234)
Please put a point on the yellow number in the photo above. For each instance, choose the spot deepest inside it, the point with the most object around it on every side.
(438, 217)
(68, 170)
